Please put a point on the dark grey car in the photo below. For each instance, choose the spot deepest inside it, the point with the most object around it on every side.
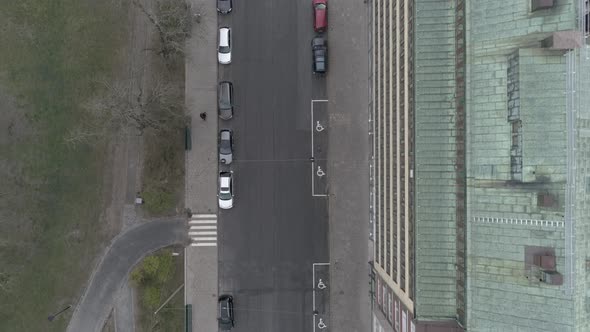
(224, 6)
(319, 49)
(226, 144)
(225, 93)
(226, 312)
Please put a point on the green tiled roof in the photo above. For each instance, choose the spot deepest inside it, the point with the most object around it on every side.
(435, 159)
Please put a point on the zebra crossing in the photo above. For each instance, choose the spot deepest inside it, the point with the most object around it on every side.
(203, 230)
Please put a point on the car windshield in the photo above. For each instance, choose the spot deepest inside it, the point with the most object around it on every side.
(224, 101)
(318, 42)
(320, 6)
(224, 49)
(224, 194)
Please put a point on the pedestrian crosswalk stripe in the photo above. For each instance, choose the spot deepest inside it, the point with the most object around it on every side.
(212, 238)
(204, 216)
(204, 244)
(203, 227)
(208, 221)
(203, 230)
(202, 233)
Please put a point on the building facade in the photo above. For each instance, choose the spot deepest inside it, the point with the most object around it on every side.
(479, 197)
(393, 153)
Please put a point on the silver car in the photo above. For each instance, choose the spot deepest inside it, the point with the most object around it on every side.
(226, 144)
(224, 48)
(226, 191)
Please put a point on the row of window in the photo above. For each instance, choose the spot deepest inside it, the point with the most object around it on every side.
(386, 154)
(398, 316)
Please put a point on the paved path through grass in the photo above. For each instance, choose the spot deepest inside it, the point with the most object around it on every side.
(125, 251)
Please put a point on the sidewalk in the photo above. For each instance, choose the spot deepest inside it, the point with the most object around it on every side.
(201, 163)
(349, 167)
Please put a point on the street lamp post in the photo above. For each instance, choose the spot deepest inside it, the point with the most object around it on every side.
(52, 317)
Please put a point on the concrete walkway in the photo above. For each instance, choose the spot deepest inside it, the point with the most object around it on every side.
(348, 165)
(125, 251)
(124, 309)
(201, 167)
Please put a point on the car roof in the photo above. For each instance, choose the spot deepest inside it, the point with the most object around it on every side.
(223, 35)
(224, 178)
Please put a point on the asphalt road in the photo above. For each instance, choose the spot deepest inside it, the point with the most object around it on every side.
(125, 251)
(276, 230)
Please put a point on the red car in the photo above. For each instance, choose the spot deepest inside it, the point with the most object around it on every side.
(320, 11)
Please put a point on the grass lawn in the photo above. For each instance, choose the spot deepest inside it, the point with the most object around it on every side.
(51, 202)
(163, 175)
(156, 278)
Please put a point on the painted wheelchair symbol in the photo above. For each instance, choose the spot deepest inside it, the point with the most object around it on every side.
(319, 127)
(320, 172)
(321, 284)
(321, 324)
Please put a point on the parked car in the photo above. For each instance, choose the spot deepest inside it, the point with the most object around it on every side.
(224, 6)
(226, 144)
(319, 48)
(226, 192)
(226, 312)
(224, 48)
(225, 91)
(320, 15)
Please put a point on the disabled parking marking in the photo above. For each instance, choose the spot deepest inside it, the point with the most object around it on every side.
(319, 286)
(316, 127)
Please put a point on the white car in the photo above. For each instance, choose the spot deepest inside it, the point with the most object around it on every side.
(224, 48)
(226, 190)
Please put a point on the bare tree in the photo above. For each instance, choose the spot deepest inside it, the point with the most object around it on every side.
(173, 21)
(125, 108)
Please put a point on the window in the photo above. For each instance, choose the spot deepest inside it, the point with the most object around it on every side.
(389, 314)
(404, 322)
(379, 291)
(396, 325)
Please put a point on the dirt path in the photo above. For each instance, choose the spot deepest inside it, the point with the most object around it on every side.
(127, 154)
(123, 174)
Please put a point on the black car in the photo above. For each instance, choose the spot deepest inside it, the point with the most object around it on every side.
(319, 48)
(224, 6)
(225, 100)
(226, 312)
